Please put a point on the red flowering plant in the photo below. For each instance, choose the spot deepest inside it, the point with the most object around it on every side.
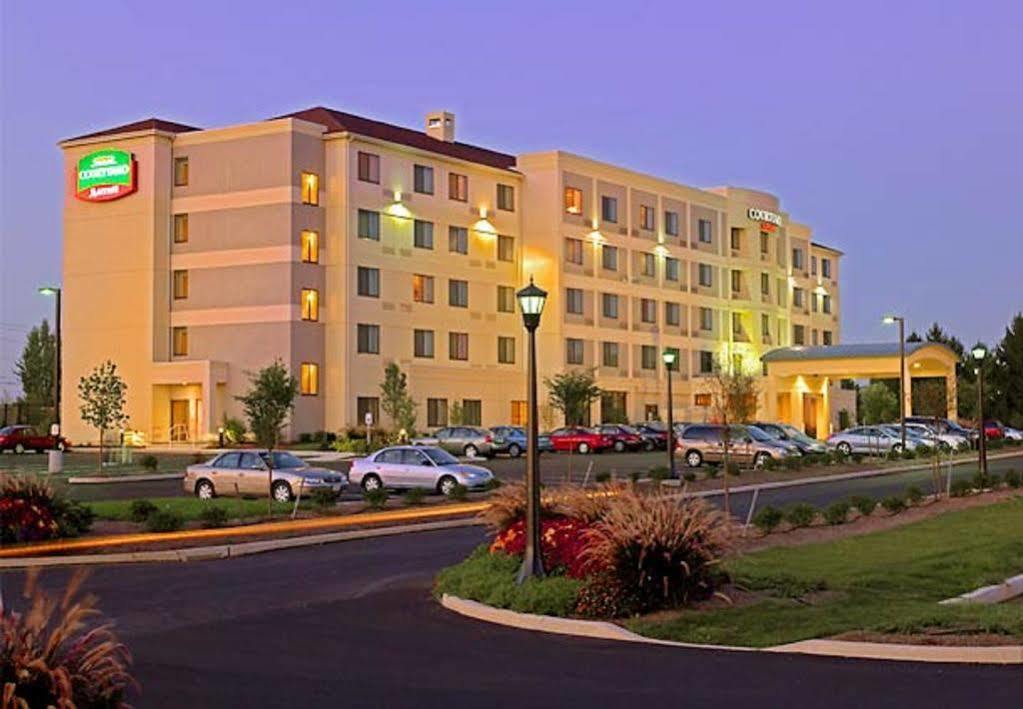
(562, 539)
(30, 511)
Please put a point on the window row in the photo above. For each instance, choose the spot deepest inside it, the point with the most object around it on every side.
(423, 344)
(647, 219)
(423, 287)
(822, 337)
(423, 181)
(423, 235)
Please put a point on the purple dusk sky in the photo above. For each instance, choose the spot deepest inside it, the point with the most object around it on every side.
(895, 129)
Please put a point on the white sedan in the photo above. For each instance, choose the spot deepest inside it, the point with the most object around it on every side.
(402, 467)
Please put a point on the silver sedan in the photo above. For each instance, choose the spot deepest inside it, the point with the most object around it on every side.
(425, 467)
(244, 473)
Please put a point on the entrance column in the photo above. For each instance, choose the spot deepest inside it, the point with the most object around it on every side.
(907, 392)
(210, 415)
(952, 396)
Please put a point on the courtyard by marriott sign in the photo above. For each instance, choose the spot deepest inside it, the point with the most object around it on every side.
(105, 175)
(764, 216)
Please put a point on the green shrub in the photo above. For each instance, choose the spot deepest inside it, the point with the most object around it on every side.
(459, 492)
(324, 498)
(981, 481)
(492, 484)
(711, 471)
(836, 513)
(770, 463)
(1012, 479)
(800, 515)
(659, 472)
(893, 504)
(839, 456)
(857, 457)
(961, 488)
(914, 495)
(305, 438)
(923, 450)
(767, 519)
(863, 504)
(996, 444)
(602, 477)
(212, 516)
(375, 499)
(415, 496)
(689, 476)
(908, 454)
(733, 469)
(234, 430)
(149, 462)
(994, 481)
(826, 458)
(793, 462)
(141, 509)
(810, 459)
(164, 521)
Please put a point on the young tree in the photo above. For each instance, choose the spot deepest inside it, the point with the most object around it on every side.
(733, 392)
(102, 393)
(931, 399)
(35, 367)
(878, 404)
(267, 404)
(395, 399)
(456, 417)
(572, 393)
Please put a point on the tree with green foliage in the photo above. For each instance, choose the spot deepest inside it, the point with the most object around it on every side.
(1005, 377)
(35, 367)
(914, 337)
(395, 399)
(267, 405)
(456, 416)
(878, 404)
(733, 393)
(103, 393)
(572, 393)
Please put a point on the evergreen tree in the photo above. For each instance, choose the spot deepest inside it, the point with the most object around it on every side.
(35, 368)
(1004, 387)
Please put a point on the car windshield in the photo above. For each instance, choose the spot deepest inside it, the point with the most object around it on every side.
(758, 434)
(797, 435)
(440, 457)
(282, 460)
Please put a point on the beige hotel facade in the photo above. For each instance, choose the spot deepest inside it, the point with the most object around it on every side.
(338, 244)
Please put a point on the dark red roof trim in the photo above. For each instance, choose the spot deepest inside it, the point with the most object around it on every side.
(146, 124)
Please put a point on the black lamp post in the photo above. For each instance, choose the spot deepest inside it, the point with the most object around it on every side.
(51, 290)
(669, 357)
(888, 320)
(979, 353)
(531, 301)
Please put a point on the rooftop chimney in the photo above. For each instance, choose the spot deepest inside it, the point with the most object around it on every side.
(441, 126)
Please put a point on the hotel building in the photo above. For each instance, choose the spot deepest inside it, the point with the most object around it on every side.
(338, 244)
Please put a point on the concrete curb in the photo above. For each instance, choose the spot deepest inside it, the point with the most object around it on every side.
(107, 479)
(226, 551)
(998, 593)
(1006, 655)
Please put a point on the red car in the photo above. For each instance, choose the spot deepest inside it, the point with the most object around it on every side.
(579, 439)
(623, 438)
(993, 430)
(24, 438)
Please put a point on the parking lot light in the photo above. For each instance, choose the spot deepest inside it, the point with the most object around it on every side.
(890, 320)
(55, 291)
(979, 354)
(669, 357)
(531, 302)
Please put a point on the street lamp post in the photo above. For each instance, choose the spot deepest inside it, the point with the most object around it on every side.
(979, 353)
(51, 290)
(669, 363)
(888, 320)
(531, 302)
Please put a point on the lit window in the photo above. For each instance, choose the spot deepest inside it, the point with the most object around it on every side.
(506, 198)
(609, 258)
(609, 354)
(422, 179)
(458, 293)
(180, 172)
(369, 167)
(310, 247)
(310, 188)
(368, 282)
(505, 299)
(422, 288)
(458, 187)
(180, 228)
(180, 285)
(573, 200)
(574, 301)
(519, 413)
(422, 343)
(310, 304)
(458, 240)
(436, 412)
(701, 399)
(179, 341)
(609, 210)
(505, 248)
(310, 379)
(574, 251)
(506, 350)
(573, 351)
(369, 225)
(458, 346)
(705, 232)
(422, 234)
(646, 217)
(368, 339)
(671, 223)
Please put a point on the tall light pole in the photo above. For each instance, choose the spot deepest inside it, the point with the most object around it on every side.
(669, 357)
(888, 320)
(979, 353)
(54, 291)
(531, 301)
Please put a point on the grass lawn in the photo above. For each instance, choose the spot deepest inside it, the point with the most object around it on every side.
(888, 582)
(86, 462)
(190, 507)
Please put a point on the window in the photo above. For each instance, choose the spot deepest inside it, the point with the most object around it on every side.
(369, 167)
(706, 319)
(736, 281)
(422, 179)
(649, 266)
(648, 357)
(813, 265)
(506, 350)
(458, 293)
(765, 283)
(574, 251)
(422, 288)
(368, 280)
(573, 200)
(458, 346)
(458, 239)
(609, 305)
(671, 223)
(368, 338)
(765, 243)
(180, 285)
(798, 335)
(367, 405)
(672, 314)
(646, 217)
(827, 338)
(472, 412)
(813, 302)
(369, 225)
(506, 198)
(179, 341)
(671, 269)
(737, 327)
(648, 310)
(180, 228)
(609, 210)
(309, 382)
(813, 337)
(519, 413)
(797, 297)
(706, 362)
(735, 239)
(765, 325)
(310, 188)
(422, 343)
(505, 248)
(705, 275)
(458, 187)
(436, 412)
(609, 354)
(310, 246)
(180, 172)
(797, 259)
(704, 231)
(310, 304)
(573, 351)
(825, 267)
(574, 301)
(826, 304)
(505, 299)
(422, 234)
(701, 399)
(609, 257)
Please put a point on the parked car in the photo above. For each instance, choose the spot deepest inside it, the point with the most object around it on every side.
(471, 441)
(243, 473)
(579, 439)
(759, 434)
(868, 440)
(655, 435)
(704, 443)
(427, 467)
(19, 438)
(788, 432)
(946, 441)
(919, 437)
(622, 437)
(511, 440)
(943, 425)
(994, 430)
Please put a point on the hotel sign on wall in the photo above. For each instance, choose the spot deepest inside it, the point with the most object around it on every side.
(105, 175)
(769, 221)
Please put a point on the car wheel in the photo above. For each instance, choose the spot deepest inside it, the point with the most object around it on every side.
(619, 446)
(281, 491)
(514, 450)
(845, 448)
(446, 485)
(583, 448)
(694, 459)
(372, 482)
(204, 490)
(760, 460)
(19, 448)
(471, 451)
(649, 446)
(897, 448)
